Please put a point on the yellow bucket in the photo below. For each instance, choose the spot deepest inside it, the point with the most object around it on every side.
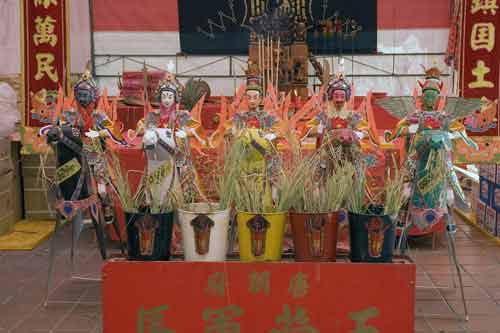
(261, 235)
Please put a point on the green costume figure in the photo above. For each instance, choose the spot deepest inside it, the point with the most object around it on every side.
(432, 129)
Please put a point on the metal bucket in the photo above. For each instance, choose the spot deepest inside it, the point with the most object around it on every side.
(261, 235)
(204, 232)
(314, 236)
(149, 236)
(372, 237)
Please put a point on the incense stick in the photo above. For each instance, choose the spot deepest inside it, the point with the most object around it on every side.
(263, 70)
(268, 63)
(278, 63)
(271, 68)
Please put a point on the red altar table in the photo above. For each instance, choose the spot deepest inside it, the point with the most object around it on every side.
(257, 297)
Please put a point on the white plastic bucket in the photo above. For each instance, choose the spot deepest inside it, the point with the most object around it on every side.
(204, 232)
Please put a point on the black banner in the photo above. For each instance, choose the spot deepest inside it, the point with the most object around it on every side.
(222, 27)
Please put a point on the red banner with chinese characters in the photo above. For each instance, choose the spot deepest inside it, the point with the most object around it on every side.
(480, 65)
(46, 53)
(236, 297)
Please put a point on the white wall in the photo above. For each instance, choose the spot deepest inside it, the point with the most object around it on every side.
(10, 40)
(119, 51)
(10, 53)
(394, 70)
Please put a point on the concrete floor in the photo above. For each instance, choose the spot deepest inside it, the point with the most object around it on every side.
(75, 304)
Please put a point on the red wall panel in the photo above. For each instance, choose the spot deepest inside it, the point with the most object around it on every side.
(161, 15)
(135, 15)
(408, 14)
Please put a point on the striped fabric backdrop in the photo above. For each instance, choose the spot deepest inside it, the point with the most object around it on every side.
(129, 32)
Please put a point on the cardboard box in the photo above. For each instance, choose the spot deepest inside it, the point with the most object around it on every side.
(490, 221)
(474, 196)
(495, 203)
(10, 192)
(480, 213)
(36, 206)
(6, 163)
(488, 171)
(17, 191)
(485, 190)
(6, 203)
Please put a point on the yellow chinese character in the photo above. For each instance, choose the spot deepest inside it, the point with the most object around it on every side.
(216, 284)
(484, 5)
(293, 322)
(361, 318)
(45, 31)
(151, 320)
(222, 320)
(482, 36)
(45, 3)
(44, 67)
(298, 285)
(480, 72)
(260, 282)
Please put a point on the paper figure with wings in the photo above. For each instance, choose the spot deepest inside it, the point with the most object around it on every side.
(432, 120)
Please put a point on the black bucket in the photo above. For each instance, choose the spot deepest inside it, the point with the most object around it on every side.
(372, 237)
(149, 236)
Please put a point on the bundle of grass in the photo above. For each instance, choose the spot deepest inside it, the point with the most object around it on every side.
(372, 219)
(149, 216)
(388, 201)
(315, 201)
(260, 197)
(205, 224)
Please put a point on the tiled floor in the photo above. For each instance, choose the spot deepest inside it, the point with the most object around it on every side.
(75, 304)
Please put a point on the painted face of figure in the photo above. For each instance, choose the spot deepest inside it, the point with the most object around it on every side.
(167, 98)
(339, 98)
(253, 99)
(430, 99)
(84, 97)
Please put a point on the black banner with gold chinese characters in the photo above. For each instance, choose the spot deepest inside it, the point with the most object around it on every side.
(45, 57)
(223, 27)
(480, 65)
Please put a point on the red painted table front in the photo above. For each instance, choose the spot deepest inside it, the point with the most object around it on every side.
(234, 297)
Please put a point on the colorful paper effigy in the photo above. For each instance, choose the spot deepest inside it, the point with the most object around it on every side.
(431, 125)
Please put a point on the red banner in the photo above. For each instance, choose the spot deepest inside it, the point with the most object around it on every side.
(480, 65)
(46, 52)
(234, 297)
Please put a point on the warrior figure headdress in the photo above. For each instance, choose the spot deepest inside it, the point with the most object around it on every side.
(432, 79)
(86, 90)
(253, 78)
(336, 84)
(169, 84)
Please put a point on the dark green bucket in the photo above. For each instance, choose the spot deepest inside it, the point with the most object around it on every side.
(149, 236)
(372, 237)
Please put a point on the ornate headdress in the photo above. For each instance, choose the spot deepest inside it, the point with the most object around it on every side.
(169, 84)
(253, 78)
(86, 90)
(339, 83)
(432, 79)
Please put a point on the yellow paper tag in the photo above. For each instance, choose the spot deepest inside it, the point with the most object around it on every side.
(160, 173)
(67, 170)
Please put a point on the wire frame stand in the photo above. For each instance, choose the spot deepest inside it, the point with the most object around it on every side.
(77, 226)
(450, 233)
